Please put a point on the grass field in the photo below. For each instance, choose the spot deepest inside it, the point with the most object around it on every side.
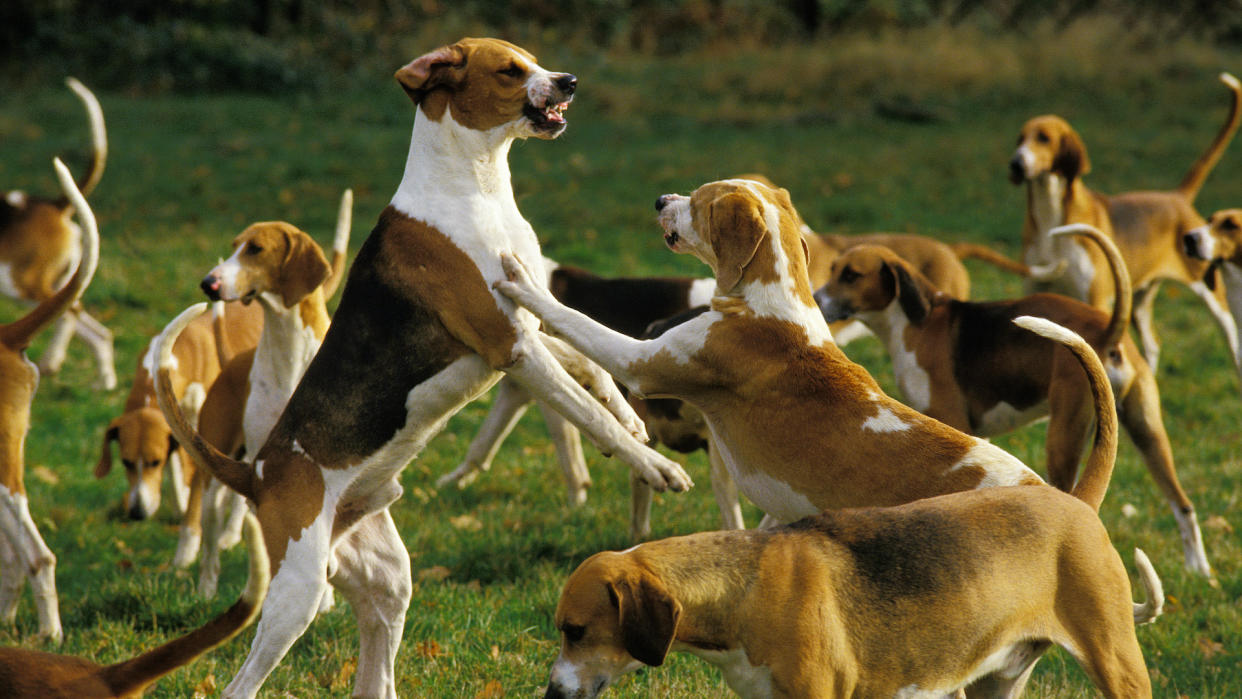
(186, 173)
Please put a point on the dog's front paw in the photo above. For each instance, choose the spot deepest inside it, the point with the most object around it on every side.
(665, 474)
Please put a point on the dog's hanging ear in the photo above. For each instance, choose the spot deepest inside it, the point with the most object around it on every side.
(736, 229)
(303, 269)
(1071, 158)
(440, 67)
(649, 616)
(1212, 273)
(910, 295)
(105, 457)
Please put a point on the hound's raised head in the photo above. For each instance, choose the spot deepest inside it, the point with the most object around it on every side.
(747, 232)
(146, 444)
(486, 84)
(1219, 239)
(614, 616)
(868, 279)
(1048, 145)
(269, 258)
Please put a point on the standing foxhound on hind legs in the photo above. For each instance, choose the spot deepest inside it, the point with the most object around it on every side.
(418, 334)
(1147, 227)
(23, 554)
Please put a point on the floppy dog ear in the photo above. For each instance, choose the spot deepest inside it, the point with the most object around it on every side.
(303, 269)
(430, 71)
(649, 616)
(1071, 159)
(913, 302)
(105, 457)
(736, 230)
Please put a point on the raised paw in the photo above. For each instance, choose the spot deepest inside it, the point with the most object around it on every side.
(666, 474)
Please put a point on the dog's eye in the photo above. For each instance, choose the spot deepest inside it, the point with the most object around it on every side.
(253, 249)
(513, 71)
(1229, 224)
(1042, 137)
(849, 276)
(573, 632)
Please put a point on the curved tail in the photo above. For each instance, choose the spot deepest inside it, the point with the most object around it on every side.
(966, 251)
(99, 136)
(340, 244)
(130, 677)
(1199, 170)
(1093, 481)
(19, 333)
(1123, 299)
(237, 475)
(1154, 602)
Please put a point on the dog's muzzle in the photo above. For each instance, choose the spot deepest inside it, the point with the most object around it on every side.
(833, 309)
(1017, 169)
(211, 286)
(1192, 243)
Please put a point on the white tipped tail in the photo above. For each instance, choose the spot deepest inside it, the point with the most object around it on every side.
(344, 222)
(1231, 81)
(99, 135)
(1153, 605)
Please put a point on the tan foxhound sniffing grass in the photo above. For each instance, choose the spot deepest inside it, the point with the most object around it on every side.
(29, 674)
(964, 364)
(418, 334)
(39, 249)
(1147, 227)
(799, 426)
(283, 270)
(23, 554)
(918, 600)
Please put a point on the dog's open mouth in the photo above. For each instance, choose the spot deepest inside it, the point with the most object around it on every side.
(549, 118)
(671, 238)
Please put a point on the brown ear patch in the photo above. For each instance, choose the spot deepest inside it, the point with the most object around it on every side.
(1071, 157)
(914, 303)
(303, 269)
(439, 67)
(735, 229)
(111, 434)
(649, 616)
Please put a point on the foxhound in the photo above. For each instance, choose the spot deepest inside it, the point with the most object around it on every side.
(40, 246)
(418, 334)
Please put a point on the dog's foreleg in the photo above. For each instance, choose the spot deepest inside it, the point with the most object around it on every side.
(37, 561)
(598, 383)
(58, 345)
(372, 571)
(1218, 305)
(12, 575)
(725, 490)
(99, 338)
(508, 406)
(568, 443)
(640, 507)
(1144, 302)
(545, 379)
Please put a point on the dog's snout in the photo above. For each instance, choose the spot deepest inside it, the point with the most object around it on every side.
(661, 202)
(1190, 242)
(1017, 169)
(211, 286)
(567, 83)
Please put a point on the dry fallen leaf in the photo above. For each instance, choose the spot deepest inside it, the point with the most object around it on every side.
(436, 573)
(466, 522)
(492, 690)
(1209, 648)
(45, 474)
(428, 649)
(495, 653)
(1128, 510)
(341, 678)
(1218, 523)
(205, 688)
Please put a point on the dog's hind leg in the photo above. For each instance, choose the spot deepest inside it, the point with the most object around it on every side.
(568, 443)
(1217, 303)
(12, 575)
(725, 490)
(58, 344)
(99, 338)
(508, 406)
(1144, 301)
(37, 561)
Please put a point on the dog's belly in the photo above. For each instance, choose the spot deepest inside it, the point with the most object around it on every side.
(1003, 417)
(746, 680)
(775, 497)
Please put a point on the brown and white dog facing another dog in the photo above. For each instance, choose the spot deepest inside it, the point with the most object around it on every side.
(29, 674)
(965, 364)
(418, 334)
(39, 249)
(23, 554)
(1147, 226)
(965, 590)
(800, 427)
(283, 270)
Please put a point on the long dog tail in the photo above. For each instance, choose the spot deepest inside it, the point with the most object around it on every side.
(966, 251)
(1093, 481)
(340, 244)
(99, 136)
(130, 677)
(237, 475)
(19, 333)
(1198, 172)
(1154, 602)
(1123, 299)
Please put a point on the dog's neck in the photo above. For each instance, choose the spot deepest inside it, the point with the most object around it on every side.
(449, 162)
(291, 337)
(892, 325)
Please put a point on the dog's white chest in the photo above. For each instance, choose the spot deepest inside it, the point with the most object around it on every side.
(748, 681)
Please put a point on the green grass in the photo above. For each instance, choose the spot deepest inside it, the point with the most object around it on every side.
(187, 173)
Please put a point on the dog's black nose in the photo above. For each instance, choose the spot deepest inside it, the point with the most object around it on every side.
(211, 286)
(1191, 244)
(1017, 173)
(661, 202)
(567, 83)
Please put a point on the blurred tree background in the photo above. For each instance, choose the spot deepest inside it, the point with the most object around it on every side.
(148, 46)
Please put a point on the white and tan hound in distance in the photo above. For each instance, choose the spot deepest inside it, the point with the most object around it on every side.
(1147, 227)
(1219, 242)
(30, 674)
(23, 554)
(282, 270)
(965, 590)
(146, 445)
(965, 364)
(418, 334)
(800, 427)
(39, 249)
